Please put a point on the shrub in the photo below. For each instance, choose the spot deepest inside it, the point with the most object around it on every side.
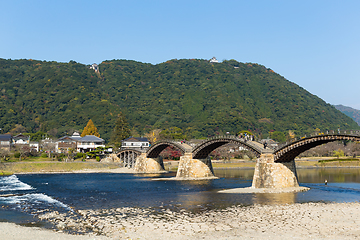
(44, 155)
(79, 155)
(17, 155)
(98, 158)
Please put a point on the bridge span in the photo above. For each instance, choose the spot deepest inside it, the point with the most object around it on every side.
(274, 168)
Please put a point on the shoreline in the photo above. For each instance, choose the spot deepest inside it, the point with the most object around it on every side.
(305, 220)
(112, 170)
(94, 167)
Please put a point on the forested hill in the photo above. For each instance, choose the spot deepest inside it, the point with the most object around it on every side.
(351, 112)
(202, 98)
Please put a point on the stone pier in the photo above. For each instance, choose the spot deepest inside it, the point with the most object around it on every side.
(190, 168)
(149, 165)
(269, 174)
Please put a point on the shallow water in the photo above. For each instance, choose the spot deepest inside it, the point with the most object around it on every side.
(24, 195)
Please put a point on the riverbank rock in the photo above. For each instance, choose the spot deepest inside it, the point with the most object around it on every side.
(112, 158)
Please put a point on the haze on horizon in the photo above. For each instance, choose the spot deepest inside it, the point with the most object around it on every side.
(312, 43)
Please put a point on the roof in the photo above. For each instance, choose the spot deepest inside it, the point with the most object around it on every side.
(21, 136)
(87, 138)
(135, 139)
(90, 138)
(5, 137)
(66, 137)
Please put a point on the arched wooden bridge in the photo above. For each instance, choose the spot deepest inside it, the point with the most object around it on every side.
(286, 153)
(274, 168)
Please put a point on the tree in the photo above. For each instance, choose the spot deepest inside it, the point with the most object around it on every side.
(278, 136)
(4, 154)
(172, 133)
(90, 129)
(23, 150)
(153, 135)
(338, 153)
(121, 130)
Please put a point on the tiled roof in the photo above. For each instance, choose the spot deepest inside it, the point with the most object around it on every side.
(135, 139)
(87, 138)
(5, 137)
(91, 138)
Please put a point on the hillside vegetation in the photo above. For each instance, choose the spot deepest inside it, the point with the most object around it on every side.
(351, 112)
(202, 98)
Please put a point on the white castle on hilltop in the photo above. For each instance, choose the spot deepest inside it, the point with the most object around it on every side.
(214, 60)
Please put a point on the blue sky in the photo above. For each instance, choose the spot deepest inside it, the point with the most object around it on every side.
(315, 44)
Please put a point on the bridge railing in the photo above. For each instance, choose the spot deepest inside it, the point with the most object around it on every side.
(319, 133)
(143, 149)
(242, 139)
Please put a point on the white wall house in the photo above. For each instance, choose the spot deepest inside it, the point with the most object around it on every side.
(89, 143)
(81, 144)
(135, 142)
(20, 139)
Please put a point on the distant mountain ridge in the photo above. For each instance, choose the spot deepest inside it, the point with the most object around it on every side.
(349, 111)
(202, 98)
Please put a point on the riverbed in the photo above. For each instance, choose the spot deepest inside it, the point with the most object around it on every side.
(26, 197)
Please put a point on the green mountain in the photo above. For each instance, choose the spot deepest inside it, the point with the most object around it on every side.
(202, 98)
(351, 112)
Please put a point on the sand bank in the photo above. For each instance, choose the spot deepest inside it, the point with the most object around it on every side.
(11, 231)
(295, 221)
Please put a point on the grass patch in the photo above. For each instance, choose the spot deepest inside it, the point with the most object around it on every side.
(29, 167)
(339, 160)
(5, 173)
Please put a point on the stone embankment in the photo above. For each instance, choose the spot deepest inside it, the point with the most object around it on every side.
(299, 221)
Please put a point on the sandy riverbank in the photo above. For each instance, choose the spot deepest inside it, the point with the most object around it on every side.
(295, 221)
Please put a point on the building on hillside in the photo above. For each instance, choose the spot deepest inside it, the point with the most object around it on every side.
(20, 139)
(213, 60)
(95, 67)
(5, 141)
(135, 143)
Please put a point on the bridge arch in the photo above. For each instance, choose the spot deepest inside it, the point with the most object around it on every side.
(203, 149)
(288, 152)
(128, 157)
(158, 147)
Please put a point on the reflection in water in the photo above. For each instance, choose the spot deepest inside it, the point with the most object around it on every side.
(332, 175)
(235, 173)
(274, 198)
(343, 186)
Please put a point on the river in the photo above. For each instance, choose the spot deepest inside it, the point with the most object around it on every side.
(23, 196)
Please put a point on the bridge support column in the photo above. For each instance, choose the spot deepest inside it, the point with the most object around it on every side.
(269, 174)
(194, 168)
(149, 165)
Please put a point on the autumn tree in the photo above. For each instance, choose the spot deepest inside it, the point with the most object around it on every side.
(121, 130)
(153, 135)
(90, 129)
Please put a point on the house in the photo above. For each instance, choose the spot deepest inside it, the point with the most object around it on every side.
(65, 143)
(21, 139)
(34, 146)
(89, 143)
(135, 142)
(78, 143)
(5, 141)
